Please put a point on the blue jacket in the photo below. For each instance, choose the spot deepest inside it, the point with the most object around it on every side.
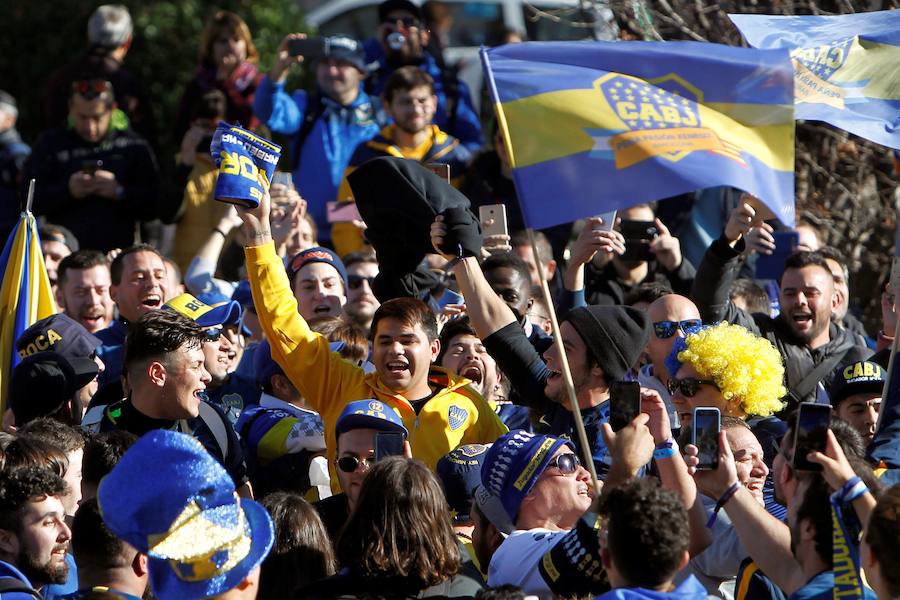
(8, 571)
(326, 151)
(234, 395)
(112, 352)
(464, 125)
(689, 589)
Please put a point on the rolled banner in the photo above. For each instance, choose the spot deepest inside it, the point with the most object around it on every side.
(246, 164)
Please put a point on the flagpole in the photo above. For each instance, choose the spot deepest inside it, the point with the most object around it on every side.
(30, 199)
(564, 363)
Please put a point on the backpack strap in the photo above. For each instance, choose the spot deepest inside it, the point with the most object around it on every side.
(314, 109)
(812, 379)
(216, 425)
(10, 584)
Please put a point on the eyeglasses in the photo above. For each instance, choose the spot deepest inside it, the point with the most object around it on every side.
(91, 88)
(405, 21)
(349, 464)
(355, 281)
(213, 334)
(567, 463)
(689, 386)
(666, 329)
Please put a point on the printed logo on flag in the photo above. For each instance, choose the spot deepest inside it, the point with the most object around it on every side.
(813, 67)
(662, 118)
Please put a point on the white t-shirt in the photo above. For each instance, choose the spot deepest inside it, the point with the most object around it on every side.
(516, 560)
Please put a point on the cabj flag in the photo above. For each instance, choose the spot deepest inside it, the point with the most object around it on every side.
(846, 68)
(597, 126)
(25, 294)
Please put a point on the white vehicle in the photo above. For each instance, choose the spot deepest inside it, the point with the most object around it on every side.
(474, 22)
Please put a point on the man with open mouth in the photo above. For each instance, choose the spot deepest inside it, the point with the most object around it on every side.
(138, 285)
(83, 289)
(319, 281)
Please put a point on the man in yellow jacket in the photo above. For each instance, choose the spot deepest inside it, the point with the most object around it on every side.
(440, 410)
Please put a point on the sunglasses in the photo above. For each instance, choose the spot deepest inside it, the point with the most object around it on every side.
(567, 463)
(689, 386)
(405, 21)
(91, 88)
(666, 329)
(355, 281)
(212, 335)
(349, 464)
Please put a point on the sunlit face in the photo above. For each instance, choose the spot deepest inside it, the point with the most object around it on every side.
(360, 444)
(217, 358)
(841, 288)
(337, 77)
(143, 286)
(39, 548)
(707, 396)
(512, 287)
(186, 378)
(807, 300)
(402, 354)
(413, 110)
(563, 498)
(53, 252)
(584, 375)
(748, 459)
(861, 411)
(668, 308)
(73, 481)
(319, 291)
(84, 296)
(90, 118)
(466, 356)
(361, 300)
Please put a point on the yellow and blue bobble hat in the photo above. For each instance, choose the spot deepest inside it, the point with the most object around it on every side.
(514, 463)
(205, 315)
(169, 498)
(369, 414)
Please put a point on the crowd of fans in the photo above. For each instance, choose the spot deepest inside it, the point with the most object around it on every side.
(401, 412)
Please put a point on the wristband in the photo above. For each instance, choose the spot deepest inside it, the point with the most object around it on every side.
(220, 232)
(665, 449)
(853, 489)
(729, 493)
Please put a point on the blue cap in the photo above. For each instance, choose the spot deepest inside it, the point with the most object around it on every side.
(59, 333)
(460, 473)
(242, 294)
(317, 254)
(369, 414)
(226, 312)
(514, 464)
(201, 539)
(264, 365)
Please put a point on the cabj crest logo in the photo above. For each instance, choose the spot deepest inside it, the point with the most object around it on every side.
(658, 118)
(457, 417)
(814, 67)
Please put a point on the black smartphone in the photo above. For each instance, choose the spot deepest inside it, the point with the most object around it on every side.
(311, 47)
(771, 266)
(388, 444)
(813, 420)
(638, 235)
(705, 429)
(90, 166)
(624, 403)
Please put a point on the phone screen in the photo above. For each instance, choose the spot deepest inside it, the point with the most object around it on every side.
(442, 170)
(638, 235)
(705, 429)
(771, 266)
(624, 403)
(810, 434)
(388, 444)
(342, 212)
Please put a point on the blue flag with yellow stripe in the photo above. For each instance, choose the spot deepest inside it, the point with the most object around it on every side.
(25, 294)
(847, 68)
(592, 127)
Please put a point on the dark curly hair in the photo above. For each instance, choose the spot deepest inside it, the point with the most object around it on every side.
(882, 534)
(156, 334)
(20, 486)
(648, 531)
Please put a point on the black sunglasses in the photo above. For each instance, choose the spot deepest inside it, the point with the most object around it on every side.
(213, 334)
(405, 21)
(567, 463)
(355, 281)
(349, 464)
(666, 329)
(689, 385)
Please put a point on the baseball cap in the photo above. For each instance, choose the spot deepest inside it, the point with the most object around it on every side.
(369, 414)
(856, 378)
(264, 366)
(514, 464)
(201, 539)
(44, 381)
(346, 48)
(460, 473)
(317, 254)
(59, 333)
(389, 6)
(204, 314)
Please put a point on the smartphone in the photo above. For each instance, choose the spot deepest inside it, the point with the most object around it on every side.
(388, 444)
(771, 266)
(638, 235)
(810, 434)
(705, 428)
(493, 219)
(609, 219)
(90, 166)
(342, 212)
(442, 170)
(624, 403)
(311, 47)
(284, 179)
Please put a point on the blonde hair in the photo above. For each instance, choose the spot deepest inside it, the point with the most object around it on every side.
(746, 367)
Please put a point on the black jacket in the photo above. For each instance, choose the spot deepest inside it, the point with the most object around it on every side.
(711, 294)
(603, 288)
(98, 223)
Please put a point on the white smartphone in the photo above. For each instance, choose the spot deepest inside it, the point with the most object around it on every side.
(493, 219)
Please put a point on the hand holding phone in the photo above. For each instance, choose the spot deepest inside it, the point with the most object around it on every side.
(810, 434)
(388, 444)
(705, 429)
(638, 235)
(624, 403)
(493, 219)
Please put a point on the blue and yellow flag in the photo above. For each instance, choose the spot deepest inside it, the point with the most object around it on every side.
(597, 126)
(25, 294)
(846, 68)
